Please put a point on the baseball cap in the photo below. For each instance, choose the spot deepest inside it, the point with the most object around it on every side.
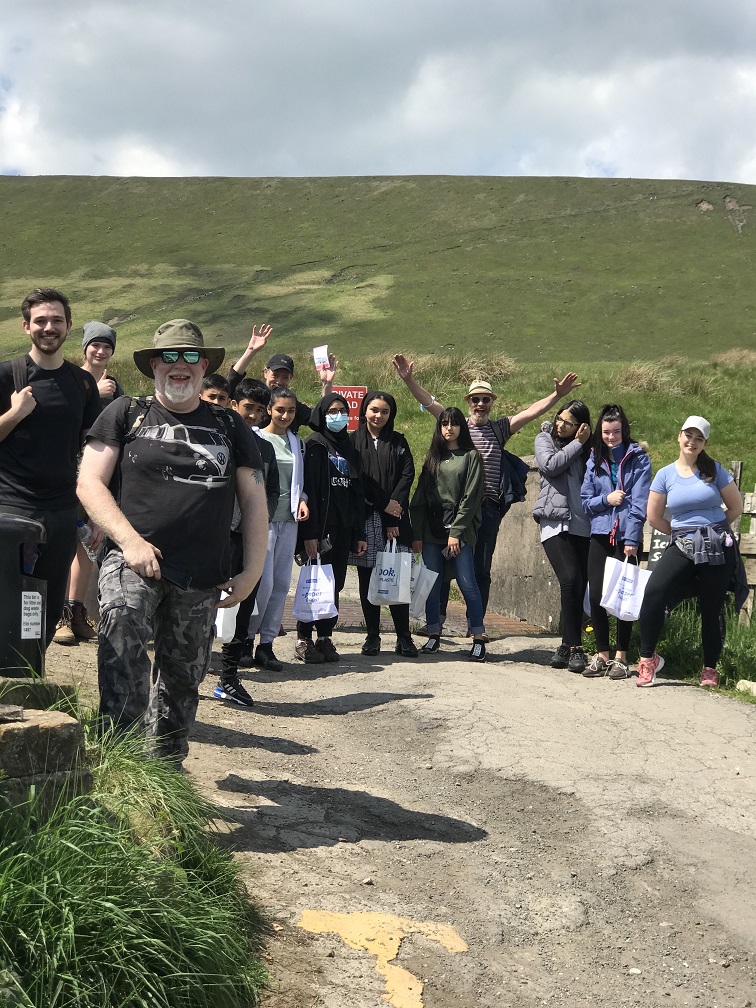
(700, 423)
(280, 360)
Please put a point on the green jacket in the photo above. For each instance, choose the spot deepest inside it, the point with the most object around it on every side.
(459, 483)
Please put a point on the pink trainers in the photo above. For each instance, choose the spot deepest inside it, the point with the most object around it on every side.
(709, 677)
(647, 669)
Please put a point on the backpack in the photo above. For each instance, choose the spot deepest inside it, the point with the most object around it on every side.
(140, 407)
(514, 474)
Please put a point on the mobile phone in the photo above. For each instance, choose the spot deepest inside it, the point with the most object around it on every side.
(174, 575)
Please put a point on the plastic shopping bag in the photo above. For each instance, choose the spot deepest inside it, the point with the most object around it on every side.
(390, 582)
(423, 579)
(316, 592)
(623, 589)
(225, 621)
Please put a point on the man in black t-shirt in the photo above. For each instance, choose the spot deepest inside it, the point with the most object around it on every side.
(42, 425)
(159, 475)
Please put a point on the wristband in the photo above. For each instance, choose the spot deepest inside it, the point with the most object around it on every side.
(424, 409)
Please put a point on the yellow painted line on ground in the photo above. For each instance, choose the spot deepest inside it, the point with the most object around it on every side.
(381, 935)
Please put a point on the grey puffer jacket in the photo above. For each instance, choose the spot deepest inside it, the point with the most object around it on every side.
(554, 464)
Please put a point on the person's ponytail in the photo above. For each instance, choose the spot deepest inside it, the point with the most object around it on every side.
(707, 467)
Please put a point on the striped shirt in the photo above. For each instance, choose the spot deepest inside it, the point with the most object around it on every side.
(484, 439)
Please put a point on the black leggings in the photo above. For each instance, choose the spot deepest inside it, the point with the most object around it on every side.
(675, 578)
(568, 555)
(600, 551)
(338, 557)
(372, 613)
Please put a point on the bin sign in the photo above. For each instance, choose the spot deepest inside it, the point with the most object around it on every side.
(354, 394)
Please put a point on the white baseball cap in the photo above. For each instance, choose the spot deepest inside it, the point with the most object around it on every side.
(700, 423)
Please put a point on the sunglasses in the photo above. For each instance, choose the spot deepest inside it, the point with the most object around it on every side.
(171, 356)
(482, 400)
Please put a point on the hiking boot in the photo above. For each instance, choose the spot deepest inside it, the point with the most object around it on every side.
(709, 677)
(647, 669)
(306, 651)
(372, 645)
(281, 631)
(81, 625)
(598, 667)
(265, 659)
(233, 691)
(326, 648)
(431, 645)
(405, 646)
(63, 632)
(561, 656)
(577, 660)
(477, 652)
(618, 669)
(246, 658)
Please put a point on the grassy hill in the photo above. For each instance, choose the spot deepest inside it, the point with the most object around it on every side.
(595, 273)
(585, 269)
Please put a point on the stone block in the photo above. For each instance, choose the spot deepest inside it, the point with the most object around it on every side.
(46, 742)
(49, 789)
(29, 691)
(746, 686)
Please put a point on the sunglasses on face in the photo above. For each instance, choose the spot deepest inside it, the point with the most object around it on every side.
(171, 356)
(483, 400)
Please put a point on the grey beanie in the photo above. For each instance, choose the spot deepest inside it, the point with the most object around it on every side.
(98, 331)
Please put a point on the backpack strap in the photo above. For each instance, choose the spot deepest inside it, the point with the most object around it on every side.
(18, 364)
(138, 410)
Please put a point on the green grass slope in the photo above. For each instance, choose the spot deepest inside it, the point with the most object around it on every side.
(540, 268)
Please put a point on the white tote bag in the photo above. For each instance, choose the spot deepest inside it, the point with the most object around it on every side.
(225, 621)
(423, 579)
(316, 593)
(623, 589)
(391, 580)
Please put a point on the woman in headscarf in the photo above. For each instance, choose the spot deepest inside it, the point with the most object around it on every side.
(336, 523)
(387, 474)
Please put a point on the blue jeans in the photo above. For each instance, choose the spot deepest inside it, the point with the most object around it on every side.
(485, 547)
(464, 572)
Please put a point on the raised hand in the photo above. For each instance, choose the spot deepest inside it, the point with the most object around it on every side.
(403, 366)
(567, 384)
(258, 339)
(327, 371)
(106, 386)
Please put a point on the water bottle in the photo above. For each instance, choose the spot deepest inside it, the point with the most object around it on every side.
(85, 535)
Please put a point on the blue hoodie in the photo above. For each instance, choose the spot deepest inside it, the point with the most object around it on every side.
(634, 477)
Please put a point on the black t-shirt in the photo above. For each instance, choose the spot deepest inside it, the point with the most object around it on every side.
(177, 482)
(38, 459)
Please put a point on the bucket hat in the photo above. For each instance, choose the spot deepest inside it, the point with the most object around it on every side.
(178, 334)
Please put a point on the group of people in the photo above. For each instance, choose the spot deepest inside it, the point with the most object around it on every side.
(206, 486)
(596, 493)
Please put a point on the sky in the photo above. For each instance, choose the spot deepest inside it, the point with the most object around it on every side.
(596, 88)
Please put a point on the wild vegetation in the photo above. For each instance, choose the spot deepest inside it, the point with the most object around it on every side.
(122, 898)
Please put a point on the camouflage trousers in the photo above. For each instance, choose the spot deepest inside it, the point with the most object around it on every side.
(157, 699)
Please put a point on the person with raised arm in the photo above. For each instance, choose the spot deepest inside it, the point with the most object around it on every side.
(279, 372)
(504, 479)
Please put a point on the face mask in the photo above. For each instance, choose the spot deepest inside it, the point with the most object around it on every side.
(336, 421)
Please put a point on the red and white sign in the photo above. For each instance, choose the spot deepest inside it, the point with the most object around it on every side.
(354, 394)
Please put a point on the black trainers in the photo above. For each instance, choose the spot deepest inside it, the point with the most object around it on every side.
(405, 646)
(477, 651)
(306, 651)
(246, 659)
(561, 656)
(234, 691)
(326, 648)
(577, 661)
(431, 645)
(372, 645)
(265, 659)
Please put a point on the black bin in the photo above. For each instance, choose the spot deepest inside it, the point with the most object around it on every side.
(23, 598)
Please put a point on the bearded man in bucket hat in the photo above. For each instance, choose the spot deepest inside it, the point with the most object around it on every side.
(489, 437)
(159, 476)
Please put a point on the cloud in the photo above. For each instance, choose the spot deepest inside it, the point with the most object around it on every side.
(350, 87)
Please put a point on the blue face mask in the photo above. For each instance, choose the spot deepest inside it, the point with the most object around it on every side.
(336, 421)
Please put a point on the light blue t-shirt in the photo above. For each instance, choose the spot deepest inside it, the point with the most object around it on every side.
(692, 501)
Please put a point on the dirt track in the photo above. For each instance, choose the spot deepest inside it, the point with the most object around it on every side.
(591, 843)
